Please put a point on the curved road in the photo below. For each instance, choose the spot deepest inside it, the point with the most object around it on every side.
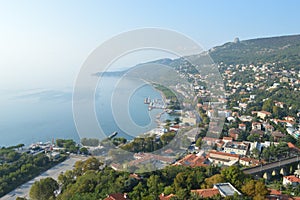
(23, 190)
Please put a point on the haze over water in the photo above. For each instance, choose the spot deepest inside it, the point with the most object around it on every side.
(42, 115)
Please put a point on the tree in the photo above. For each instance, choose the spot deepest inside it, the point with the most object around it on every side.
(255, 153)
(168, 190)
(254, 188)
(217, 178)
(268, 105)
(138, 192)
(234, 175)
(43, 189)
(154, 186)
(199, 142)
(91, 164)
(84, 150)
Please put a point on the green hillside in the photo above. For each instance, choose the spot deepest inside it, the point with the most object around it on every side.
(283, 49)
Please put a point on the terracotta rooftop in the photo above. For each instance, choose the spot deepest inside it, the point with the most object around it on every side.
(292, 179)
(166, 197)
(277, 134)
(117, 196)
(227, 138)
(223, 154)
(206, 193)
(192, 160)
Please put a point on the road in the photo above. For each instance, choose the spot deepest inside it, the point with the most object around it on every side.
(273, 165)
(23, 190)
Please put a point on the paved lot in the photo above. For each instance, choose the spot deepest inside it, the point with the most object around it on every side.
(23, 190)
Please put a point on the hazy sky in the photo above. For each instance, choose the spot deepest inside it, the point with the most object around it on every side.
(44, 43)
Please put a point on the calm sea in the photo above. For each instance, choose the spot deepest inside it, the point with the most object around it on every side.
(30, 116)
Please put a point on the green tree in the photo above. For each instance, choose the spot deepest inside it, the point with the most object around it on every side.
(199, 142)
(169, 190)
(254, 188)
(43, 189)
(217, 178)
(234, 175)
(138, 192)
(154, 186)
(84, 150)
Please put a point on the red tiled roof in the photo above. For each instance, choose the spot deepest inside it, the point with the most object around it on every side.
(117, 196)
(274, 192)
(292, 146)
(224, 154)
(168, 197)
(277, 134)
(192, 160)
(135, 176)
(206, 193)
(227, 138)
(292, 179)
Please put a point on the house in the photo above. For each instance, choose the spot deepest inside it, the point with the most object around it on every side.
(284, 80)
(256, 125)
(286, 122)
(242, 127)
(277, 135)
(210, 113)
(227, 139)
(117, 196)
(193, 160)
(249, 161)
(293, 148)
(279, 104)
(166, 197)
(234, 133)
(189, 120)
(252, 96)
(245, 118)
(226, 189)
(206, 193)
(243, 106)
(224, 113)
(292, 179)
(210, 140)
(261, 114)
(276, 194)
(256, 131)
(235, 136)
(290, 118)
(239, 148)
(222, 158)
(269, 128)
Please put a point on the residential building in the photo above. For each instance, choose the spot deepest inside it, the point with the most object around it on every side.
(193, 160)
(239, 148)
(256, 125)
(222, 158)
(262, 114)
(226, 189)
(292, 180)
(277, 135)
(117, 196)
(206, 193)
(166, 197)
(242, 127)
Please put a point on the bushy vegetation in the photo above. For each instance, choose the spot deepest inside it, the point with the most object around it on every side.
(17, 168)
(69, 145)
(88, 180)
